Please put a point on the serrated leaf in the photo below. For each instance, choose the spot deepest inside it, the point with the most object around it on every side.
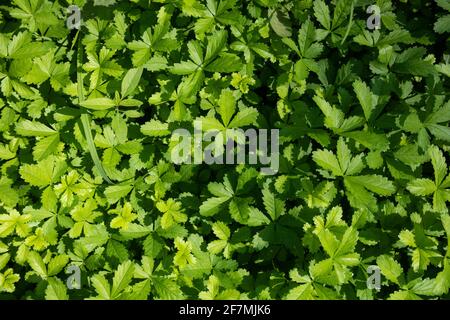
(322, 13)
(98, 104)
(390, 268)
(37, 264)
(122, 278)
(56, 290)
(280, 23)
(46, 146)
(274, 206)
(32, 128)
(421, 187)
(442, 24)
(155, 128)
(131, 81)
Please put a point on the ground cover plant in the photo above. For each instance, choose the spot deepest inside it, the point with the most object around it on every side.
(93, 207)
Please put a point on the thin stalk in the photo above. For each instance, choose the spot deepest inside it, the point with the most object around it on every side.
(85, 119)
(349, 24)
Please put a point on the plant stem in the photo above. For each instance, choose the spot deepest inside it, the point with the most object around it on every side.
(85, 119)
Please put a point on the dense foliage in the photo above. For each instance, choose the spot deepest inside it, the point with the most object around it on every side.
(87, 182)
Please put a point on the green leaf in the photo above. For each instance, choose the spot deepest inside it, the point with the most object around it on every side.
(370, 140)
(4, 258)
(377, 184)
(46, 147)
(365, 97)
(98, 104)
(226, 104)
(442, 24)
(32, 128)
(443, 4)
(167, 289)
(341, 11)
(347, 245)
(117, 250)
(131, 81)
(439, 131)
(152, 246)
(421, 187)
(257, 218)
(301, 292)
(221, 230)
(155, 128)
(306, 38)
(56, 290)
(196, 50)
(395, 36)
(441, 115)
(280, 22)
(322, 13)
(184, 68)
(43, 173)
(172, 213)
(122, 278)
(216, 43)
(37, 264)
(390, 268)
(183, 255)
(57, 264)
(117, 192)
(225, 62)
(101, 286)
(244, 118)
(442, 281)
(212, 206)
(274, 206)
(327, 160)
(439, 165)
(135, 231)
